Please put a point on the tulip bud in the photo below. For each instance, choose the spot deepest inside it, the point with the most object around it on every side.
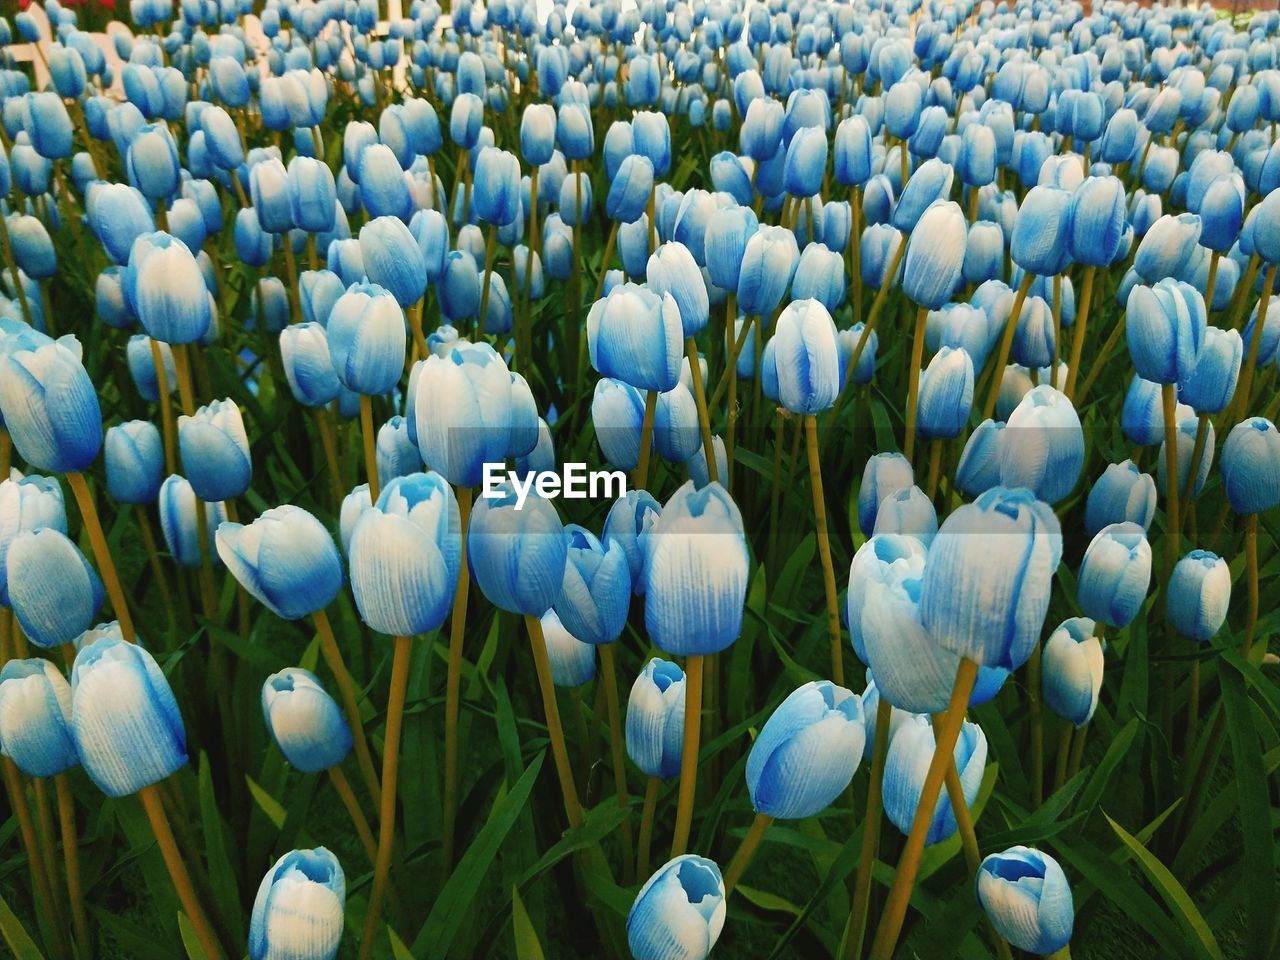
(151, 162)
(517, 554)
(53, 591)
(946, 395)
(673, 270)
(910, 755)
(1038, 243)
(178, 506)
(1071, 667)
(1212, 383)
(629, 520)
(298, 911)
(629, 189)
(807, 357)
(367, 339)
(462, 413)
(312, 194)
(308, 367)
(596, 591)
(304, 721)
(681, 907)
(784, 779)
(215, 451)
(134, 458)
(909, 512)
(768, 263)
(1097, 218)
(29, 503)
(1165, 329)
(655, 719)
(538, 133)
(1122, 493)
(166, 288)
(635, 335)
(127, 727)
(1251, 466)
(1027, 898)
(572, 662)
(853, 152)
(1043, 447)
(286, 559)
(1198, 595)
(35, 718)
(497, 186)
(1115, 574)
(383, 189)
(1166, 246)
(49, 406)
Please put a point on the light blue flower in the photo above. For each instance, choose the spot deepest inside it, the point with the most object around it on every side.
(596, 592)
(53, 591)
(1071, 666)
(177, 504)
(285, 558)
(367, 339)
(304, 720)
(636, 335)
(883, 474)
(215, 451)
(807, 357)
(1115, 574)
(572, 661)
(1199, 595)
(35, 718)
(1043, 445)
(1123, 492)
(655, 719)
(1027, 898)
(463, 410)
(50, 406)
(517, 551)
(298, 911)
(679, 912)
(907, 763)
(1251, 466)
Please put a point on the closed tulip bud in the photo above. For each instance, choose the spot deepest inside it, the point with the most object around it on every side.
(462, 413)
(1097, 219)
(629, 520)
(405, 554)
(286, 559)
(392, 260)
(636, 335)
(151, 162)
(1165, 329)
(1251, 466)
(1198, 595)
(298, 911)
(655, 719)
(118, 214)
(819, 276)
(1262, 229)
(725, 244)
(29, 503)
(49, 125)
(178, 505)
(929, 183)
(848, 343)
(384, 192)
(908, 512)
(1269, 337)
(696, 572)
(1038, 243)
(253, 244)
(629, 189)
(979, 467)
(497, 186)
(1027, 899)
(679, 912)
(1222, 213)
(884, 474)
(166, 288)
(729, 175)
(517, 554)
(596, 592)
(397, 456)
(768, 264)
(304, 721)
(1002, 627)
(806, 162)
(35, 718)
(272, 198)
(53, 591)
(761, 133)
(907, 763)
(134, 457)
(1072, 667)
(617, 413)
(49, 406)
(1185, 437)
(1141, 418)
(1212, 383)
(807, 357)
(1115, 574)
(672, 271)
(983, 252)
(308, 367)
(32, 247)
(574, 134)
(367, 339)
(572, 662)
(538, 133)
(946, 395)
(124, 718)
(1123, 493)
(785, 778)
(935, 256)
(1045, 450)
(215, 451)
(1166, 246)
(312, 194)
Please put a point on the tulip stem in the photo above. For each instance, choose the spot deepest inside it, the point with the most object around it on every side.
(154, 807)
(855, 254)
(414, 314)
(1251, 573)
(704, 418)
(1212, 282)
(1006, 344)
(453, 681)
(18, 288)
(1193, 712)
(332, 654)
(609, 677)
(1063, 954)
(329, 443)
(1036, 712)
(166, 409)
(1169, 399)
(870, 833)
(689, 755)
(148, 536)
(604, 261)
(1057, 330)
(342, 786)
(935, 468)
(390, 770)
(291, 272)
(1240, 405)
(735, 350)
(490, 253)
(731, 371)
(646, 827)
(6, 452)
(1117, 331)
(40, 879)
(1241, 295)
(1197, 457)
(895, 911)
(913, 384)
(646, 440)
(101, 552)
(370, 445)
(555, 729)
(1064, 755)
(824, 547)
(71, 860)
(746, 851)
(48, 848)
(1078, 331)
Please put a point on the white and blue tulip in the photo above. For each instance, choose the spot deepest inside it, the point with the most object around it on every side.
(35, 718)
(907, 764)
(1115, 574)
(1072, 665)
(304, 720)
(679, 912)
(299, 910)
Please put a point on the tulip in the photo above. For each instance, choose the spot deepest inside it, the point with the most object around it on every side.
(49, 406)
(27, 503)
(178, 506)
(517, 555)
(308, 366)
(935, 256)
(1212, 384)
(1166, 246)
(768, 264)
(1198, 595)
(853, 151)
(883, 475)
(617, 414)
(367, 339)
(679, 912)
(573, 662)
(655, 719)
(1038, 243)
(1049, 456)
(673, 271)
(392, 260)
(164, 285)
(286, 559)
(946, 395)
(304, 721)
(1122, 493)
(405, 554)
(124, 718)
(151, 162)
(1165, 329)
(636, 336)
(596, 591)
(35, 718)
(215, 451)
(298, 911)
(930, 182)
(32, 247)
(1251, 466)
(1189, 436)
(1115, 574)
(785, 777)
(980, 462)
(1027, 899)
(463, 412)
(134, 457)
(910, 512)
(807, 357)
(806, 161)
(630, 519)
(537, 133)
(497, 186)
(910, 754)
(397, 454)
(1071, 668)
(725, 244)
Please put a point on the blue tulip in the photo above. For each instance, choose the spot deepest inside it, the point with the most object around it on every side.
(884, 474)
(693, 603)
(1038, 243)
(806, 162)
(807, 357)
(35, 718)
(1122, 493)
(1251, 466)
(286, 559)
(1115, 574)
(392, 260)
(142, 367)
(298, 911)
(909, 512)
(728, 232)
(109, 299)
(977, 161)
(1166, 246)
(848, 343)
(946, 394)
(538, 133)
(308, 367)
(761, 133)
(383, 190)
(1269, 337)
(819, 276)
(574, 134)
(178, 508)
(397, 454)
(1221, 212)
(596, 591)
(272, 198)
(853, 152)
(53, 591)
(215, 451)
(1043, 446)
(312, 194)
(617, 414)
(517, 550)
(910, 753)
(151, 162)
(1212, 383)
(1072, 667)
(650, 137)
(463, 412)
(655, 719)
(629, 520)
(166, 288)
(497, 186)
(49, 406)
(935, 256)
(729, 175)
(253, 244)
(1165, 329)
(768, 264)
(636, 335)
(1097, 218)
(304, 720)
(127, 727)
(1027, 898)
(629, 189)
(49, 125)
(980, 462)
(1185, 440)
(134, 457)
(1198, 595)
(679, 912)
(367, 339)
(930, 183)
(572, 661)
(673, 271)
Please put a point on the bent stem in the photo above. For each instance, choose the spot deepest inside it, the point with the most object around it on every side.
(824, 547)
(453, 683)
(157, 568)
(609, 678)
(1078, 331)
(151, 803)
(646, 440)
(689, 755)
(704, 419)
(71, 861)
(913, 385)
(646, 827)
(870, 834)
(1006, 345)
(746, 851)
(1169, 400)
(342, 787)
(904, 879)
(1100, 360)
(370, 445)
(555, 730)
(101, 553)
(390, 770)
(332, 654)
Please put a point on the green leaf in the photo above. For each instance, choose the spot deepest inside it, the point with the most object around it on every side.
(1174, 896)
(398, 950)
(768, 901)
(267, 803)
(190, 941)
(221, 874)
(527, 945)
(459, 892)
(15, 936)
(1092, 793)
